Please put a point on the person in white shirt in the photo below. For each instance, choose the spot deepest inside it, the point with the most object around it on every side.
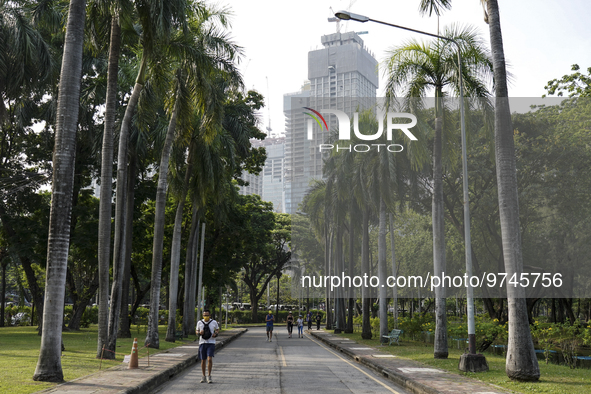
(208, 330)
(300, 323)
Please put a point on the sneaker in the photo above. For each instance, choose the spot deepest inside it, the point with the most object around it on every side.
(209, 379)
(202, 379)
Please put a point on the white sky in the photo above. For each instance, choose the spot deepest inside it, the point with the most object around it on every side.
(542, 38)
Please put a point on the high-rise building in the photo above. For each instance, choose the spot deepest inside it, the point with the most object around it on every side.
(269, 183)
(344, 76)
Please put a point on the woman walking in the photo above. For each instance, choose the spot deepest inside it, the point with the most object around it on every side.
(300, 323)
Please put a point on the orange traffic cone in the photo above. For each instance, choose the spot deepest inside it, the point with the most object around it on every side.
(133, 362)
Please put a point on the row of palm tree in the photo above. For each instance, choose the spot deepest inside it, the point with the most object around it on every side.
(377, 183)
(521, 362)
(187, 98)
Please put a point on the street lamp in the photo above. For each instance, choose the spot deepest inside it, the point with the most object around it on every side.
(472, 357)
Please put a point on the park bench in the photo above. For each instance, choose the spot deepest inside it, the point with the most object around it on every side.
(178, 335)
(394, 336)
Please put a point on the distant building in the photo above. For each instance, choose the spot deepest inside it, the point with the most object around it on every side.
(269, 184)
(343, 75)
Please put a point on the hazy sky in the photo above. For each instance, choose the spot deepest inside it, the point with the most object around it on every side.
(542, 38)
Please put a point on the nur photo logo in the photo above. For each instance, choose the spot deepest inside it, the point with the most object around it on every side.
(344, 128)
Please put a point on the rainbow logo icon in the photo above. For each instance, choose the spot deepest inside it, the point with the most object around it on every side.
(316, 118)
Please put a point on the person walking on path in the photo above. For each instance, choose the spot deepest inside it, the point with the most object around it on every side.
(208, 330)
(270, 319)
(289, 324)
(309, 320)
(300, 323)
(318, 319)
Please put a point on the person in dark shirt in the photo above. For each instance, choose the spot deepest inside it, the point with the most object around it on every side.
(289, 324)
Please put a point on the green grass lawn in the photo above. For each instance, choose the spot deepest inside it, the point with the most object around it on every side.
(554, 378)
(19, 351)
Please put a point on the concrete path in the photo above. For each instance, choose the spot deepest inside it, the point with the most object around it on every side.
(252, 365)
(162, 367)
(412, 375)
(320, 362)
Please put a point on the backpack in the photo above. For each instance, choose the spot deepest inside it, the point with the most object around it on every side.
(206, 331)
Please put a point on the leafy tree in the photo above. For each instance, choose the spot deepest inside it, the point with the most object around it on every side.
(263, 246)
(576, 84)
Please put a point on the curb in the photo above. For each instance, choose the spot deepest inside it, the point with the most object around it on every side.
(152, 383)
(148, 385)
(398, 378)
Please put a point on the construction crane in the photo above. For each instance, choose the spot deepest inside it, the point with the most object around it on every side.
(338, 21)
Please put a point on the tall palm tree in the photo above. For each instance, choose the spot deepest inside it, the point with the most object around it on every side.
(201, 51)
(522, 363)
(111, 11)
(414, 70)
(158, 19)
(25, 65)
(49, 367)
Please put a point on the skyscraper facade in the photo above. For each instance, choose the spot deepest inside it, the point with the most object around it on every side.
(269, 184)
(342, 75)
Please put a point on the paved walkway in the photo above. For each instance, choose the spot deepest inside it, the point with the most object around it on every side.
(162, 367)
(412, 375)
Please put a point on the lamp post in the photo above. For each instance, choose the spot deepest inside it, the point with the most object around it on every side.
(471, 359)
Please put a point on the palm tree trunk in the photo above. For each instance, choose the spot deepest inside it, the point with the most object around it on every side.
(521, 363)
(394, 273)
(382, 271)
(3, 294)
(440, 345)
(366, 326)
(327, 272)
(175, 257)
(119, 235)
(152, 339)
(49, 365)
(351, 293)
(191, 274)
(339, 268)
(124, 331)
(104, 231)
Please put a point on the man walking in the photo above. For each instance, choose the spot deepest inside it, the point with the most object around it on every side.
(318, 319)
(309, 320)
(270, 319)
(289, 324)
(208, 330)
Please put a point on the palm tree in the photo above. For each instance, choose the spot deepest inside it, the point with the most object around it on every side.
(522, 363)
(101, 12)
(158, 19)
(416, 69)
(202, 51)
(49, 367)
(25, 65)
